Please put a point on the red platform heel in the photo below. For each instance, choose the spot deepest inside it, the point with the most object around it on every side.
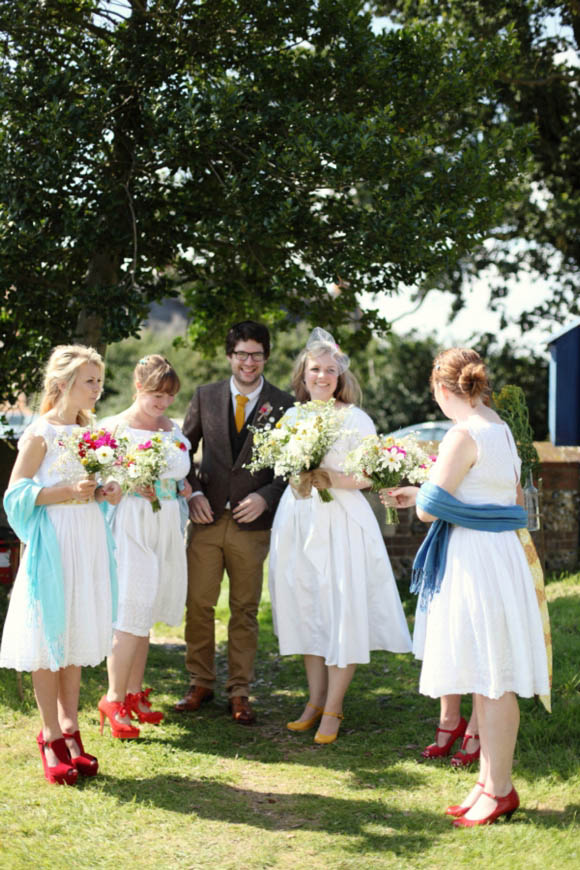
(110, 709)
(506, 806)
(87, 765)
(435, 751)
(462, 758)
(132, 702)
(457, 810)
(62, 773)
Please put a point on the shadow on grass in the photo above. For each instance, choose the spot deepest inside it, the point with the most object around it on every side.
(402, 832)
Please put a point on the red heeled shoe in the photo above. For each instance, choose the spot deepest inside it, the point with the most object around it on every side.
(435, 751)
(62, 773)
(457, 810)
(506, 806)
(118, 729)
(87, 765)
(132, 702)
(462, 758)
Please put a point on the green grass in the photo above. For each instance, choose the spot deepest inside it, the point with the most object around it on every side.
(201, 792)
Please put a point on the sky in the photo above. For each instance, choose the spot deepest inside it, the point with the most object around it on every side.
(474, 319)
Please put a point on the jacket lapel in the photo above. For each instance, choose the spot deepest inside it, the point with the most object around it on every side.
(246, 451)
(220, 420)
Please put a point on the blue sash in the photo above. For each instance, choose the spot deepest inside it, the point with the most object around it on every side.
(429, 564)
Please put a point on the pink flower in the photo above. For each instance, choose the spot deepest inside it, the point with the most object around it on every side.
(146, 446)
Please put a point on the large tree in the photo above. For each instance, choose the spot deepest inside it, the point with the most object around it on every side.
(246, 153)
(540, 234)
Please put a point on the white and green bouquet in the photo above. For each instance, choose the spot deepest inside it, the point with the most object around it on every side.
(144, 463)
(298, 442)
(386, 461)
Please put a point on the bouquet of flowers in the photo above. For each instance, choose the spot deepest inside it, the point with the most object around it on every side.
(96, 452)
(299, 441)
(144, 463)
(386, 461)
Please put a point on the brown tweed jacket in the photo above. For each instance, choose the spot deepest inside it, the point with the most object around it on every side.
(219, 477)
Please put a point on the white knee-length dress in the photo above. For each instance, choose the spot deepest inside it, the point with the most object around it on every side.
(151, 560)
(482, 632)
(332, 588)
(82, 539)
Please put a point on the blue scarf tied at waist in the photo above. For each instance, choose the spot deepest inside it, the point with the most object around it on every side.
(429, 564)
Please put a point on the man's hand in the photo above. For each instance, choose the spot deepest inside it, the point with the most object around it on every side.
(200, 510)
(250, 508)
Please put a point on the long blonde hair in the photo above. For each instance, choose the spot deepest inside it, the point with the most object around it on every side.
(347, 388)
(62, 368)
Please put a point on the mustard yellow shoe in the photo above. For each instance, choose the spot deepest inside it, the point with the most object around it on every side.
(305, 724)
(328, 738)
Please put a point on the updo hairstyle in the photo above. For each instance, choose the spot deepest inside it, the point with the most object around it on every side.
(62, 368)
(463, 372)
(154, 374)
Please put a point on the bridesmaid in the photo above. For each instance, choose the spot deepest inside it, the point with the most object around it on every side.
(61, 608)
(481, 623)
(150, 548)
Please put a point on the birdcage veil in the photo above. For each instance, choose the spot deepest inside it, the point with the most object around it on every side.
(320, 341)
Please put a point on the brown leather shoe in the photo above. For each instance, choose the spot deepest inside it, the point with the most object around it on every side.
(241, 710)
(194, 698)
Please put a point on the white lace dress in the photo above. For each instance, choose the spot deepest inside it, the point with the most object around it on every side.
(151, 560)
(331, 584)
(483, 631)
(81, 534)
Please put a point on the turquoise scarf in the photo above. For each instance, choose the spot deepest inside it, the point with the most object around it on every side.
(33, 526)
(429, 564)
(43, 565)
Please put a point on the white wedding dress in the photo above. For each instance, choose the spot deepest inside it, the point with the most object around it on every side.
(81, 535)
(151, 560)
(482, 631)
(332, 588)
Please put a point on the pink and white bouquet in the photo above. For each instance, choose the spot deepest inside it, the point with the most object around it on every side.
(386, 462)
(144, 463)
(94, 452)
(299, 441)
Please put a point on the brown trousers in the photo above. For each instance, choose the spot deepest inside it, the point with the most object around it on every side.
(213, 548)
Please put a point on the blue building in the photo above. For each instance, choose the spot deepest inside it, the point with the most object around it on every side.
(564, 393)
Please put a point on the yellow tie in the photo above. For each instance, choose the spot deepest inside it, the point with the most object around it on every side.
(241, 402)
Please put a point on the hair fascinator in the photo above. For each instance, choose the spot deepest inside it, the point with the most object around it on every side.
(320, 342)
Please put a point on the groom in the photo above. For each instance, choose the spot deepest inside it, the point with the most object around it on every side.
(231, 512)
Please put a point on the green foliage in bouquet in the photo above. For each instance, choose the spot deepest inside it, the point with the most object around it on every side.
(510, 403)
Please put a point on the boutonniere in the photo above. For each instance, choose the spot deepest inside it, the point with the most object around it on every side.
(263, 411)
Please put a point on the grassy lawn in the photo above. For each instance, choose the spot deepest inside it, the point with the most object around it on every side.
(199, 791)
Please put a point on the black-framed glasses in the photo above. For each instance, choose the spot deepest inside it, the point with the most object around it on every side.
(242, 355)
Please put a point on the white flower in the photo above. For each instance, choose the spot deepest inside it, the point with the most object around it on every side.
(105, 454)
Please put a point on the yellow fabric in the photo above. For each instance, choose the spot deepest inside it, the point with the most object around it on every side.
(241, 402)
(538, 575)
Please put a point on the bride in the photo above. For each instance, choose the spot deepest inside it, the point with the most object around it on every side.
(333, 592)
